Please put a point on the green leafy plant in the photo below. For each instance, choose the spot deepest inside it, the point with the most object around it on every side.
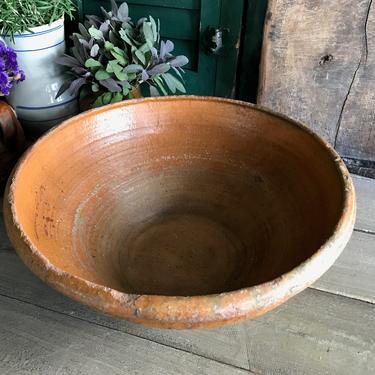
(18, 16)
(112, 56)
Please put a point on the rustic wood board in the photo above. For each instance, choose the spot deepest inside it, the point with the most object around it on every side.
(37, 341)
(313, 333)
(353, 274)
(356, 134)
(4, 241)
(365, 194)
(317, 67)
(225, 345)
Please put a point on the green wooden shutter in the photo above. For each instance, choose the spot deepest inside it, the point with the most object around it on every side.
(184, 22)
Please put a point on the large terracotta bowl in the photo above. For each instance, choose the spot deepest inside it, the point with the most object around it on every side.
(180, 212)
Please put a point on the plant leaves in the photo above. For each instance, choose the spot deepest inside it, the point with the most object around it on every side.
(76, 54)
(95, 87)
(131, 76)
(125, 37)
(123, 12)
(75, 86)
(173, 83)
(154, 53)
(92, 63)
(112, 66)
(147, 31)
(170, 83)
(83, 31)
(79, 70)
(144, 48)
(63, 88)
(169, 46)
(118, 56)
(98, 102)
(179, 61)
(101, 75)
(154, 28)
(159, 69)
(67, 60)
(120, 75)
(110, 84)
(160, 85)
(95, 33)
(145, 75)
(114, 8)
(104, 27)
(150, 45)
(84, 42)
(125, 90)
(166, 48)
(177, 72)
(94, 50)
(117, 97)
(78, 51)
(106, 98)
(133, 68)
(140, 21)
(141, 57)
(119, 51)
(112, 37)
(108, 45)
(154, 91)
(93, 20)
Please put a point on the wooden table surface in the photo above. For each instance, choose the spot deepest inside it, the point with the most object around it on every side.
(327, 329)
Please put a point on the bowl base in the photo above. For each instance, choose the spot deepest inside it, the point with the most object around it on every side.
(182, 254)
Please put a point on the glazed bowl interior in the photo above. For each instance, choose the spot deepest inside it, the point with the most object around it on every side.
(178, 197)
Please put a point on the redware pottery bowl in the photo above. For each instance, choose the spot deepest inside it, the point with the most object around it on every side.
(180, 212)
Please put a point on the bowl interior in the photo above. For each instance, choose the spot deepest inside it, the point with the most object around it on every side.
(178, 196)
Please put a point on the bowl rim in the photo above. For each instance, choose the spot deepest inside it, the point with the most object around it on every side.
(185, 311)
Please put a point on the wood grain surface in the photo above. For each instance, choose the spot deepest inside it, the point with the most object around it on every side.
(318, 66)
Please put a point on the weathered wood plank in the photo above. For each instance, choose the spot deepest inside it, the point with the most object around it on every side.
(37, 341)
(17, 281)
(356, 134)
(365, 168)
(353, 275)
(365, 192)
(315, 68)
(4, 241)
(313, 333)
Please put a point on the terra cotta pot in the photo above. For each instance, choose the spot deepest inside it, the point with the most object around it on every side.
(180, 212)
(12, 141)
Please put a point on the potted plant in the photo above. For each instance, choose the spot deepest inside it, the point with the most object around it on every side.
(112, 56)
(11, 134)
(35, 30)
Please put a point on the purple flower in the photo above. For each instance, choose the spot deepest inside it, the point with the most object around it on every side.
(9, 70)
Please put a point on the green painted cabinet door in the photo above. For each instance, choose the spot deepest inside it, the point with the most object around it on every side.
(185, 22)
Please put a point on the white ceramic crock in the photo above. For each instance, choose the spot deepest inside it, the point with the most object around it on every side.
(35, 99)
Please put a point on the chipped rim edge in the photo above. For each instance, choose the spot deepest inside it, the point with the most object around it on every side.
(192, 311)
